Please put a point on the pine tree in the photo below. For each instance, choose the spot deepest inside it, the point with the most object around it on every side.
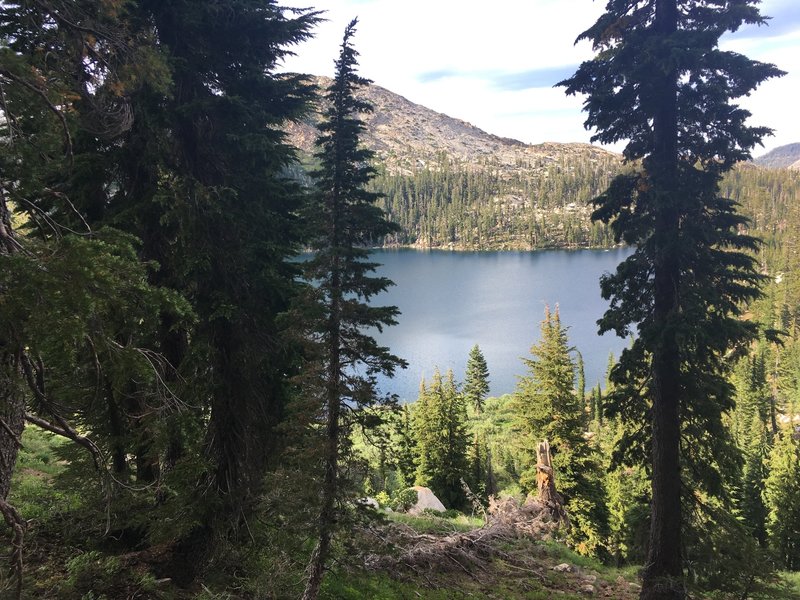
(174, 120)
(345, 220)
(403, 448)
(753, 397)
(440, 425)
(476, 380)
(609, 368)
(581, 388)
(480, 468)
(754, 473)
(660, 81)
(597, 405)
(66, 70)
(546, 406)
(782, 497)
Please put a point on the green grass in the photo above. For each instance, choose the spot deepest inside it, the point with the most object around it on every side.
(38, 451)
(433, 524)
(379, 586)
(343, 586)
(32, 491)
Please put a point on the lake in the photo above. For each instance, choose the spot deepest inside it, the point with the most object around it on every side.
(453, 300)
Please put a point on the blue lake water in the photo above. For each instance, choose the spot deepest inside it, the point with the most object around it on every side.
(453, 300)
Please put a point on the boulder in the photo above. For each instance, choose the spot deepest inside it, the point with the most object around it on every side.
(587, 590)
(369, 501)
(425, 499)
(564, 568)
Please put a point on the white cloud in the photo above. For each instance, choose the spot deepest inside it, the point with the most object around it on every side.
(401, 42)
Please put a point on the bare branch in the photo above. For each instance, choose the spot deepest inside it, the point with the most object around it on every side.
(34, 377)
(64, 430)
(11, 433)
(50, 10)
(65, 198)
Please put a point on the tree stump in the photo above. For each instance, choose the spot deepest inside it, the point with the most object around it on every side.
(545, 479)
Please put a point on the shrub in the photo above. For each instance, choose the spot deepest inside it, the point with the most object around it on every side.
(404, 499)
(383, 499)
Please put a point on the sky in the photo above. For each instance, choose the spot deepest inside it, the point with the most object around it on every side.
(494, 64)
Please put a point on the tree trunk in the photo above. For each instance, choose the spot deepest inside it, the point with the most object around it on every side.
(12, 411)
(545, 481)
(663, 573)
(327, 514)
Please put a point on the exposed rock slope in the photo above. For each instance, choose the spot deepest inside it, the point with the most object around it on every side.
(781, 157)
(407, 136)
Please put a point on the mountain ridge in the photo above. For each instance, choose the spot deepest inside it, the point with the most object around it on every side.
(451, 185)
(407, 136)
(786, 156)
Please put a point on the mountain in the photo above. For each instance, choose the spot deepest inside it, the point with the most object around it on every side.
(449, 184)
(781, 157)
(408, 137)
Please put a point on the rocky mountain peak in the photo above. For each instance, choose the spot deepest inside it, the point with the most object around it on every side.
(407, 137)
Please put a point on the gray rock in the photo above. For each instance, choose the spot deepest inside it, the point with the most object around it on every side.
(425, 499)
(368, 501)
(587, 589)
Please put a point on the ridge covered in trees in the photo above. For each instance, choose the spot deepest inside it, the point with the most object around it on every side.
(447, 193)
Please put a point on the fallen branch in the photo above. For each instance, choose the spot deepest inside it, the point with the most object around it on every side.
(469, 551)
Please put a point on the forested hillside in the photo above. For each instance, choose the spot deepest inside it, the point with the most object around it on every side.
(452, 206)
(450, 185)
(781, 157)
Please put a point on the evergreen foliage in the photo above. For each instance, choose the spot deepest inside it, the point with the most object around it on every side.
(754, 473)
(476, 379)
(782, 498)
(684, 286)
(443, 441)
(344, 218)
(447, 205)
(404, 449)
(216, 413)
(541, 206)
(162, 120)
(546, 406)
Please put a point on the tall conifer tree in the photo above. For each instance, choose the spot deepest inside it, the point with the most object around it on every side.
(660, 81)
(782, 497)
(440, 425)
(476, 379)
(174, 118)
(546, 406)
(66, 70)
(345, 220)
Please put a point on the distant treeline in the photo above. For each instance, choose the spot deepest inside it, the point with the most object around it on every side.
(546, 204)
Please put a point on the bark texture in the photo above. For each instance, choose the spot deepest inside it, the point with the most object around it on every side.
(545, 481)
(12, 410)
(663, 574)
